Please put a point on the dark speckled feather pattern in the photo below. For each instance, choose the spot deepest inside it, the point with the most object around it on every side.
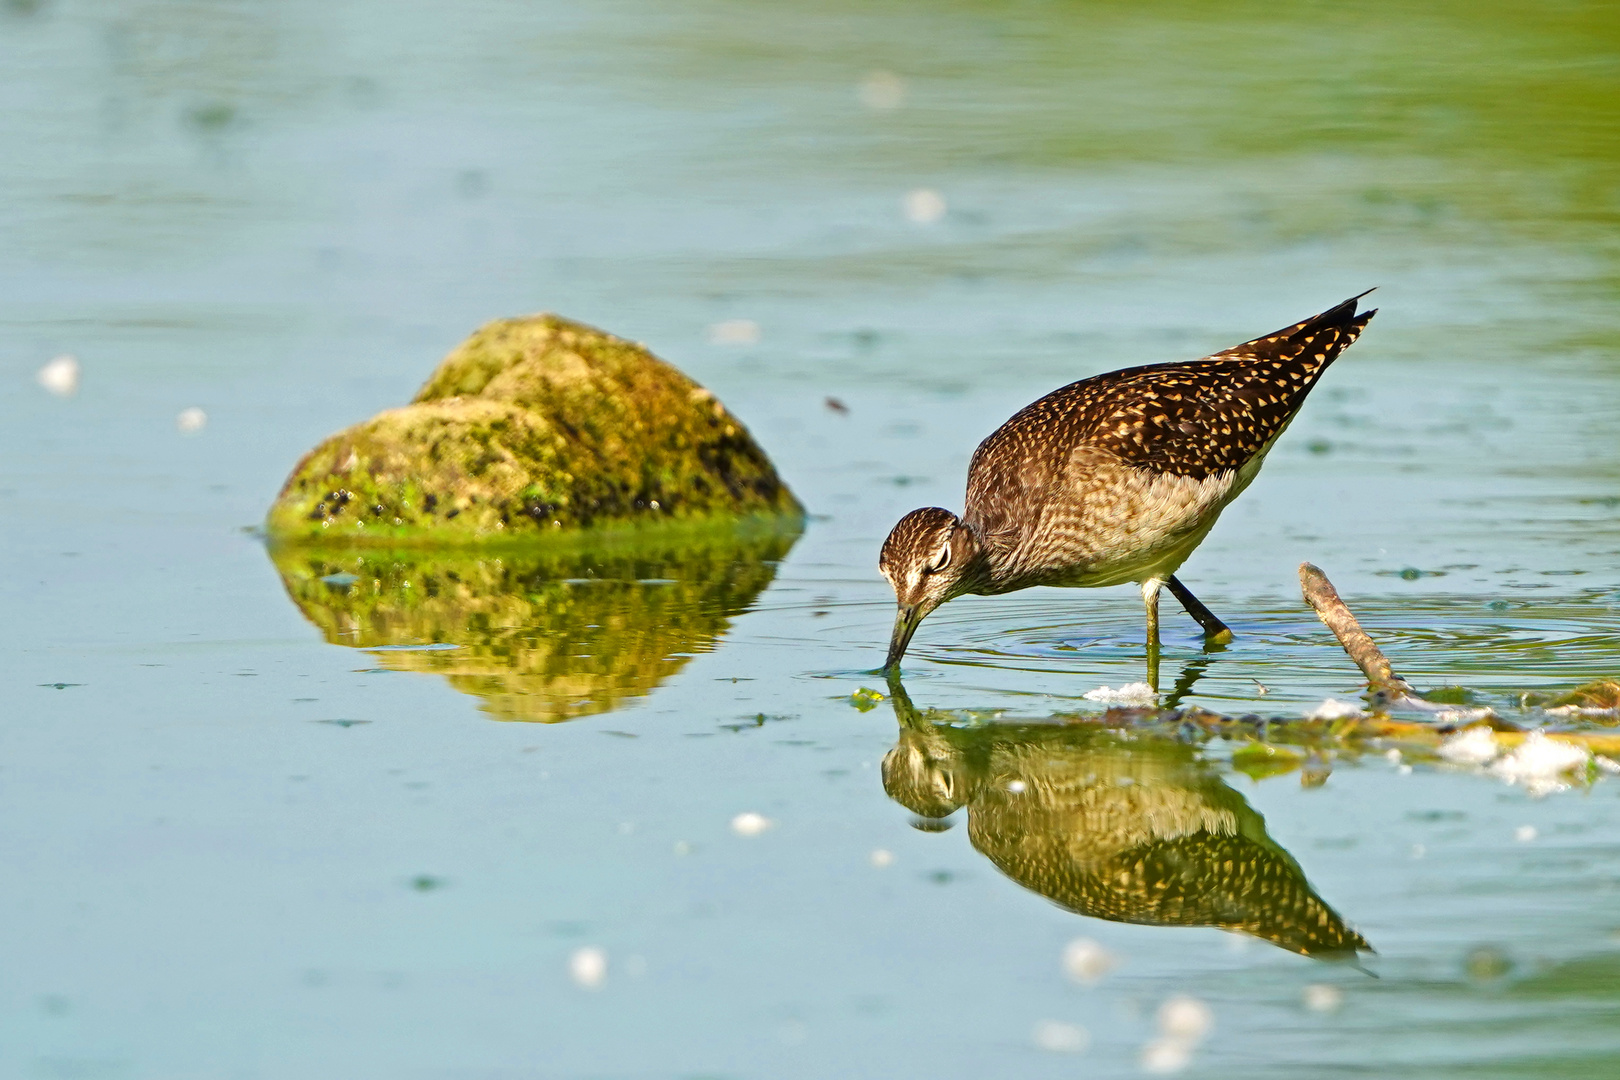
(1117, 477)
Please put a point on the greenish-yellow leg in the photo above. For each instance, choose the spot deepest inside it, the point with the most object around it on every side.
(1216, 631)
(1150, 597)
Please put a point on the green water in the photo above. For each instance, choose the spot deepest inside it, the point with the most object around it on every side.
(257, 813)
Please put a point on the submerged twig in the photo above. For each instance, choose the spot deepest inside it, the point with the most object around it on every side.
(1324, 599)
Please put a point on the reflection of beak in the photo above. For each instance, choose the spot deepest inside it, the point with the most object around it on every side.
(906, 621)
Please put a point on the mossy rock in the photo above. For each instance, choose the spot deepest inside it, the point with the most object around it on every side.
(541, 632)
(532, 426)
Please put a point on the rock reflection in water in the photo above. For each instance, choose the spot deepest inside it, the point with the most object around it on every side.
(543, 634)
(1132, 829)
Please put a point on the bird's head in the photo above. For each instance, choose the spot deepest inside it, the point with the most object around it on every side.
(926, 559)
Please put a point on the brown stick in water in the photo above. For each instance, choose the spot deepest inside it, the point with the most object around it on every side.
(1324, 600)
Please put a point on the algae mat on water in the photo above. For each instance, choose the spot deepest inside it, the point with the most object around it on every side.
(544, 632)
(532, 425)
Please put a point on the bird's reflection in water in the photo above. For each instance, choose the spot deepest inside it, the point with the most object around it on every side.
(1131, 828)
(538, 633)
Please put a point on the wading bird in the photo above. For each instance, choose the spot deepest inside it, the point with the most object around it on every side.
(1114, 479)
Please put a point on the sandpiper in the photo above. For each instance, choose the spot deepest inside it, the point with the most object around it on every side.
(1114, 479)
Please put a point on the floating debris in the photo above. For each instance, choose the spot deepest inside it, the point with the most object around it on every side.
(1524, 834)
(1086, 961)
(837, 406)
(1486, 963)
(750, 824)
(60, 376)
(881, 858)
(1061, 1037)
(588, 967)
(190, 421)
(1135, 693)
(865, 699)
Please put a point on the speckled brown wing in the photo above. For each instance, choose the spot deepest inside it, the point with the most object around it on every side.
(1200, 880)
(1195, 419)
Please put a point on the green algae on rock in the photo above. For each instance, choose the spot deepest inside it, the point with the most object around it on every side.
(544, 632)
(533, 425)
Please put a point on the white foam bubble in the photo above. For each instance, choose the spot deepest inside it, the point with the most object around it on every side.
(1540, 764)
(750, 824)
(1334, 709)
(1135, 693)
(1322, 998)
(734, 332)
(924, 206)
(883, 90)
(1086, 961)
(60, 376)
(1472, 746)
(1061, 1037)
(588, 967)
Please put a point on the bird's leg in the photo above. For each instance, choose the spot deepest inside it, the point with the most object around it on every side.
(1215, 630)
(1150, 597)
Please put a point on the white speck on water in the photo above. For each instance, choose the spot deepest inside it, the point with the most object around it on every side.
(1404, 770)
(1460, 716)
(60, 376)
(1061, 1037)
(1541, 764)
(1392, 756)
(1525, 833)
(1185, 1018)
(1184, 1022)
(1322, 998)
(881, 858)
(1017, 787)
(734, 332)
(924, 206)
(190, 421)
(1086, 961)
(1163, 1056)
(883, 90)
(1135, 693)
(1473, 746)
(682, 847)
(750, 824)
(1334, 709)
(588, 967)
(1418, 851)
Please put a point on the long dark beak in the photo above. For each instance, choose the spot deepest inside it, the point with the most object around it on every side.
(906, 621)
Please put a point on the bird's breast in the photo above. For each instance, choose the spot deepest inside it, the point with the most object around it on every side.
(1110, 523)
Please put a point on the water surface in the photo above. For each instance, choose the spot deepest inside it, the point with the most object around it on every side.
(259, 817)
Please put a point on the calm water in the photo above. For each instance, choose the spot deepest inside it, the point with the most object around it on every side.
(254, 827)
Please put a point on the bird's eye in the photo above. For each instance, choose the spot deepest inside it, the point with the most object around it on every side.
(941, 561)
